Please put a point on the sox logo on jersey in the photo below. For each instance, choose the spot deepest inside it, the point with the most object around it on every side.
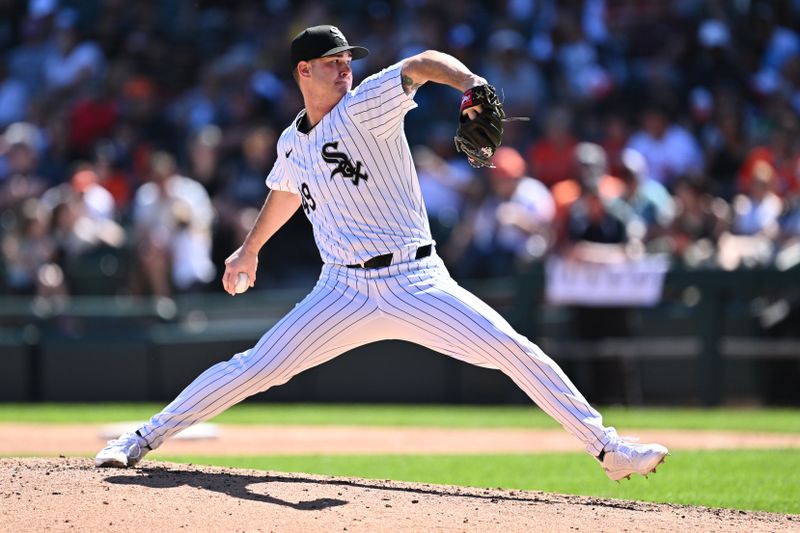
(343, 164)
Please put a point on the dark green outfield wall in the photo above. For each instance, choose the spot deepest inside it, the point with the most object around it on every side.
(707, 343)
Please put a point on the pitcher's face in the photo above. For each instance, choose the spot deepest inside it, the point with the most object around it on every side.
(332, 73)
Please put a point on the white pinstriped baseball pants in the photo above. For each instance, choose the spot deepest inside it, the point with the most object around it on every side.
(416, 301)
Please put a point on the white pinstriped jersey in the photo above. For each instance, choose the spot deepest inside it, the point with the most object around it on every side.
(355, 174)
(359, 189)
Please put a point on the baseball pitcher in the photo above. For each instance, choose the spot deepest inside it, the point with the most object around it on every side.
(345, 161)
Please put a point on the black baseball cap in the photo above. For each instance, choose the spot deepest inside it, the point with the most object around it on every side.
(322, 41)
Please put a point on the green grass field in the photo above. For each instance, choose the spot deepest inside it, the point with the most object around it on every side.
(746, 479)
(767, 480)
(772, 420)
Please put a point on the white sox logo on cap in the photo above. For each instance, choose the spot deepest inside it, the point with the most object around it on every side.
(321, 41)
(339, 36)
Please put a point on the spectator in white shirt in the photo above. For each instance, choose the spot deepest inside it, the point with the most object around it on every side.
(669, 149)
(72, 62)
(755, 226)
(172, 216)
(13, 98)
(512, 224)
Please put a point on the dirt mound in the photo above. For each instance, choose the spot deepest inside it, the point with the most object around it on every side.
(69, 494)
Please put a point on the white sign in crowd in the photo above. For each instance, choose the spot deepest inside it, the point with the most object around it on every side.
(634, 283)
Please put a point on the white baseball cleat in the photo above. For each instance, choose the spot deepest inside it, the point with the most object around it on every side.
(123, 452)
(625, 457)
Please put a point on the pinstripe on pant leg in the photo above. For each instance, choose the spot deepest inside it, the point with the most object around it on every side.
(433, 310)
(333, 318)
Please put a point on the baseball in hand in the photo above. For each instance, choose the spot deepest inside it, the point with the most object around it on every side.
(242, 283)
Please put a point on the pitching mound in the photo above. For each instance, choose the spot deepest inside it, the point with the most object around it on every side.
(70, 494)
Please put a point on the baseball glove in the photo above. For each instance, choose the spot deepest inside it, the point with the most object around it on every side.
(480, 137)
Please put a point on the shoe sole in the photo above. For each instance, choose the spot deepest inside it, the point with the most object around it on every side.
(626, 474)
(110, 463)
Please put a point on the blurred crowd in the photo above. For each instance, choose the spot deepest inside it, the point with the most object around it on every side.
(135, 136)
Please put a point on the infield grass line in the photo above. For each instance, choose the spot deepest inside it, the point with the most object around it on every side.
(462, 416)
